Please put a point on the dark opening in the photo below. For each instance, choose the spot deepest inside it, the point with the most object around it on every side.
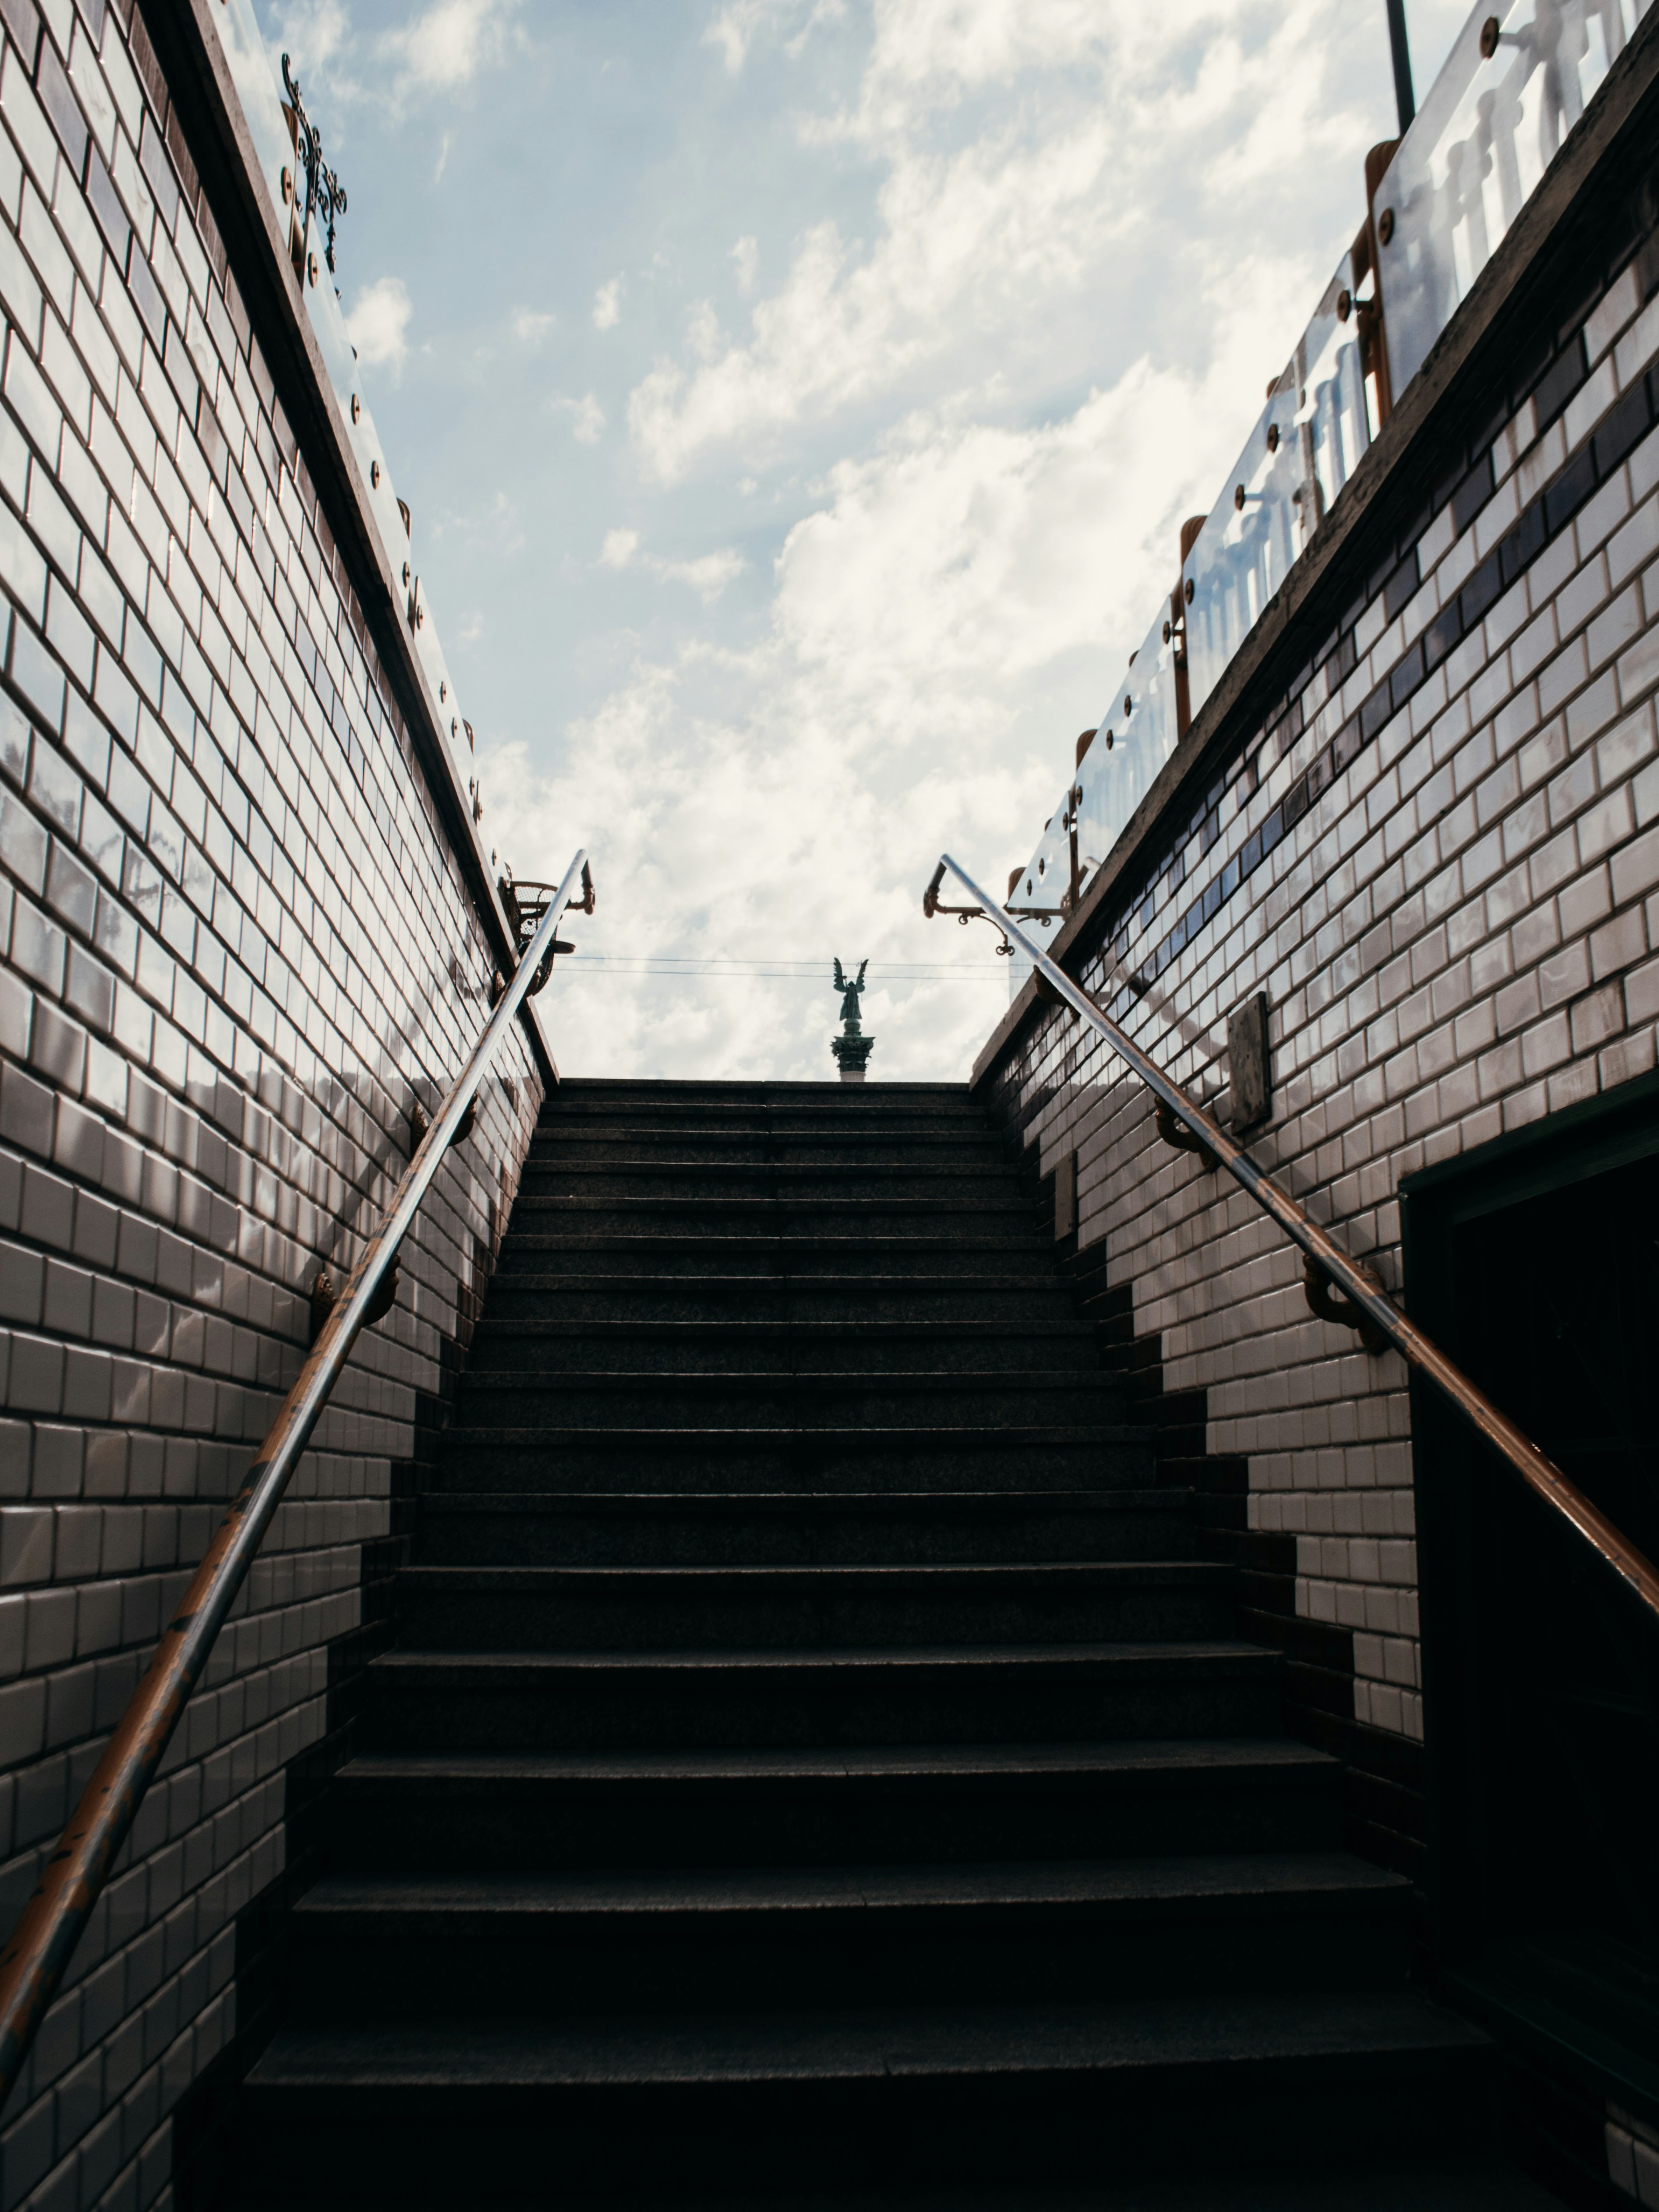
(1538, 1266)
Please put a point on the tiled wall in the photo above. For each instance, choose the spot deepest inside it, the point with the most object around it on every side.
(236, 941)
(1438, 856)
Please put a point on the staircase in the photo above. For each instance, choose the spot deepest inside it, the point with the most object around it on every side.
(813, 1757)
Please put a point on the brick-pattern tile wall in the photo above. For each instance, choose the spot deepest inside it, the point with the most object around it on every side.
(1438, 856)
(235, 942)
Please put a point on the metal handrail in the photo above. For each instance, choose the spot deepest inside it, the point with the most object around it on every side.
(44, 1939)
(1364, 1292)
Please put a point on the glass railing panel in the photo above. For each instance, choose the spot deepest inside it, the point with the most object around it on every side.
(1514, 87)
(1332, 426)
(1307, 442)
(1249, 539)
(1497, 117)
(1139, 730)
(1048, 874)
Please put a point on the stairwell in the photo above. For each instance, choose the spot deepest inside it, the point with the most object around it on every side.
(815, 1756)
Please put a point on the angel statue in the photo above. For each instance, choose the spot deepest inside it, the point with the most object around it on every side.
(852, 1047)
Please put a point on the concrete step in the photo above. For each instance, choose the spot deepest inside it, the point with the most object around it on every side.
(1385, 2182)
(571, 1341)
(920, 1528)
(424, 1809)
(558, 1608)
(988, 1300)
(776, 1699)
(999, 1210)
(489, 1449)
(1018, 1251)
(881, 1180)
(636, 1399)
(578, 1095)
(406, 1947)
(971, 2092)
(925, 1143)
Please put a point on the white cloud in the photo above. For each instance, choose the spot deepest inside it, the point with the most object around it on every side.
(377, 323)
(735, 27)
(708, 573)
(607, 305)
(448, 44)
(732, 29)
(496, 527)
(443, 48)
(587, 420)
(980, 395)
(951, 613)
(531, 325)
(1098, 118)
(313, 32)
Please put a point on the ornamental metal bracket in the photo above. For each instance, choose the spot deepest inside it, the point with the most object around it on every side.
(525, 905)
(325, 1295)
(1324, 1301)
(932, 903)
(325, 194)
(420, 1121)
(1176, 1133)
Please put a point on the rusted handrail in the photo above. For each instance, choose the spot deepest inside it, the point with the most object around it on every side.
(1361, 1287)
(45, 1936)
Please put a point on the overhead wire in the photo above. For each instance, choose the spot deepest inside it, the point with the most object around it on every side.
(774, 971)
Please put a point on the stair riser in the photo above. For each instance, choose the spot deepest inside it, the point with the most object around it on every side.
(937, 1217)
(503, 1350)
(564, 1298)
(720, 1402)
(618, 1821)
(777, 1182)
(584, 1261)
(718, 1151)
(770, 1619)
(744, 1106)
(995, 1187)
(485, 1459)
(379, 2145)
(810, 1538)
(734, 1706)
(609, 1096)
(398, 1966)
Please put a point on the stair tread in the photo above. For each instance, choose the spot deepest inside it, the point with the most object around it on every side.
(1007, 1437)
(698, 1332)
(984, 1160)
(672, 1896)
(788, 1285)
(891, 1380)
(758, 1241)
(1231, 1877)
(827, 1576)
(1186, 1757)
(697, 1503)
(1379, 2184)
(1236, 2029)
(1186, 1658)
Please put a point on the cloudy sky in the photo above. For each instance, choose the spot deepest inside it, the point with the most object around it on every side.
(798, 401)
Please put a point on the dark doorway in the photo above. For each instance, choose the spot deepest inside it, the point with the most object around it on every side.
(1536, 1261)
